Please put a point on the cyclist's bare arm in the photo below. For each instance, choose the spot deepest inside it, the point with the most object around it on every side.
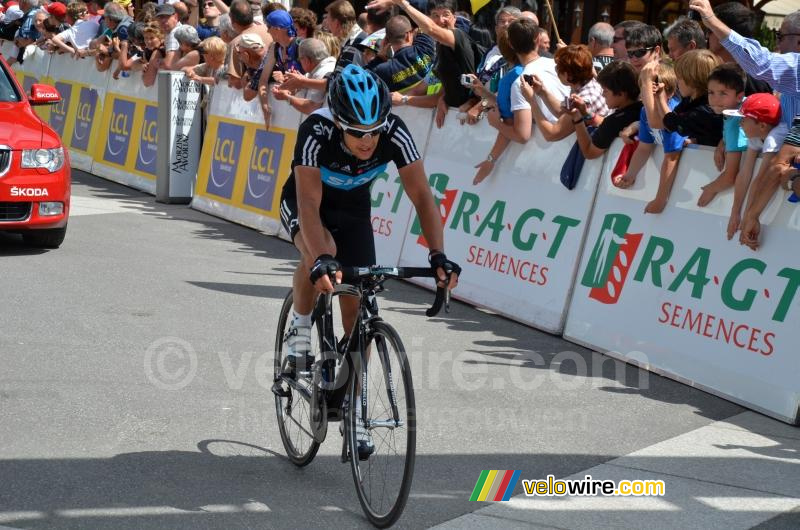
(308, 182)
(418, 190)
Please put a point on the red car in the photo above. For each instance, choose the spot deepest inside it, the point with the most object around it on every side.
(34, 166)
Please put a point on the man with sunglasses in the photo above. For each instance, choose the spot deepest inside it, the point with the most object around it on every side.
(325, 203)
(643, 46)
(209, 27)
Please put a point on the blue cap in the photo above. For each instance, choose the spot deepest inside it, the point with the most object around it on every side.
(281, 19)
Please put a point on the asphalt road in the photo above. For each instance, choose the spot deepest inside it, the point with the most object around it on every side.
(106, 421)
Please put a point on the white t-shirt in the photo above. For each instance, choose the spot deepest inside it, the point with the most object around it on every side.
(492, 56)
(171, 44)
(772, 143)
(81, 34)
(545, 69)
(325, 67)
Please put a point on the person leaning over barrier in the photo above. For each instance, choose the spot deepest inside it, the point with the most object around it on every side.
(781, 71)
(77, 38)
(114, 40)
(575, 69)
(241, 17)
(319, 65)
(189, 47)
(621, 91)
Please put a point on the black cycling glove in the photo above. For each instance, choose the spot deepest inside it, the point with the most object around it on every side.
(325, 265)
(438, 259)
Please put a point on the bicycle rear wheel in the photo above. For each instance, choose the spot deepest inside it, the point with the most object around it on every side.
(383, 481)
(295, 410)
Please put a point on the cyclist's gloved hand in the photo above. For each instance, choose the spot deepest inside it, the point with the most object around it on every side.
(444, 268)
(325, 267)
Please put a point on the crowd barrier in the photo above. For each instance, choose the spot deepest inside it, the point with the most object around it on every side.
(242, 165)
(671, 293)
(667, 292)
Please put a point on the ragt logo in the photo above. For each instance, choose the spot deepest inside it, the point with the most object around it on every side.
(615, 250)
(611, 259)
(28, 192)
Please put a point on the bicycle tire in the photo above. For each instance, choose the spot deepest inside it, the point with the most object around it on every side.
(383, 514)
(297, 455)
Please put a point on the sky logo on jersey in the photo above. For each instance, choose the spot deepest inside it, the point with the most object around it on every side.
(87, 104)
(611, 259)
(58, 111)
(495, 485)
(348, 182)
(225, 160)
(148, 142)
(119, 132)
(262, 171)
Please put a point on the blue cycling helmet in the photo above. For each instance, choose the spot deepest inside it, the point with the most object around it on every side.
(358, 97)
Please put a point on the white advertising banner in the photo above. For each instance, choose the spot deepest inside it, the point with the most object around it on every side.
(391, 208)
(671, 293)
(519, 233)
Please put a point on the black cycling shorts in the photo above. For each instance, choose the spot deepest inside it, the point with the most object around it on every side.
(352, 233)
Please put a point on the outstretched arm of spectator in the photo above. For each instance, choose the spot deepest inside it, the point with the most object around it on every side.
(427, 101)
(588, 149)
(640, 157)
(548, 98)
(743, 178)
(669, 167)
(551, 131)
(763, 189)
(520, 131)
(485, 167)
(779, 70)
(441, 35)
(151, 69)
(59, 43)
(170, 61)
(263, 93)
(222, 6)
(194, 12)
(295, 81)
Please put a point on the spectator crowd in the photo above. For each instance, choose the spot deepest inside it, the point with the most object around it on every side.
(703, 80)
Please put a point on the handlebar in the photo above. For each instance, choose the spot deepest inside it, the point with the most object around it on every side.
(354, 274)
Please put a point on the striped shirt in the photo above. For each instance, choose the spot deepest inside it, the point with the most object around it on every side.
(778, 69)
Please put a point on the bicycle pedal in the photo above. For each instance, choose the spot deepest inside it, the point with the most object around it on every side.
(279, 390)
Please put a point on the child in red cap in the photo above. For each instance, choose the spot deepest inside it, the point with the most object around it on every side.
(760, 116)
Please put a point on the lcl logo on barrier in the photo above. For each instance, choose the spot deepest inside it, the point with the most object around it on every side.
(58, 112)
(87, 105)
(119, 132)
(262, 171)
(224, 159)
(148, 142)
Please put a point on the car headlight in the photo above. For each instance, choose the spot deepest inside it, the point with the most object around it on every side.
(49, 159)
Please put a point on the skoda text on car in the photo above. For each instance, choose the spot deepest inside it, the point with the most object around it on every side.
(34, 166)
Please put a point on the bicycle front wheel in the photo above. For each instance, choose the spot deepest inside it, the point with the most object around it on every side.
(295, 409)
(388, 415)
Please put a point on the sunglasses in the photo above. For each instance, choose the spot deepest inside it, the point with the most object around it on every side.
(779, 36)
(363, 133)
(641, 52)
(208, 4)
(618, 39)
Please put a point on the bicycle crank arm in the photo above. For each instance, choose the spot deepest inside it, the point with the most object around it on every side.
(386, 424)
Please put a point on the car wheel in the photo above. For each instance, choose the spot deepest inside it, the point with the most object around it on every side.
(51, 238)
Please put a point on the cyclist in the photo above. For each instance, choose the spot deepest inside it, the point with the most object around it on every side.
(325, 203)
